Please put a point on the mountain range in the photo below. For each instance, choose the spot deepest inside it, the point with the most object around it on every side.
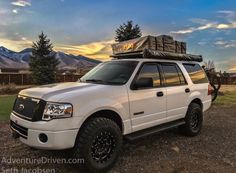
(20, 60)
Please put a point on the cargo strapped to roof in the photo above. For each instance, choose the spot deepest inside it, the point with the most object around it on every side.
(154, 54)
(158, 47)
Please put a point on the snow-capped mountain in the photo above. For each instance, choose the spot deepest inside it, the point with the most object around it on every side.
(20, 60)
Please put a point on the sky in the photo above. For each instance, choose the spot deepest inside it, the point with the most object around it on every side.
(87, 27)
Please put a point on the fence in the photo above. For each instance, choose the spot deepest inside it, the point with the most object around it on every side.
(228, 80)
(25, 79)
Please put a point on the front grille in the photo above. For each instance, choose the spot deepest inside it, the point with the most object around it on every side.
(22, 131)
(29, 108)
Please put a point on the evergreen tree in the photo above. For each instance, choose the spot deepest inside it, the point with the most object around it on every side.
(43, 64)
(127, 31)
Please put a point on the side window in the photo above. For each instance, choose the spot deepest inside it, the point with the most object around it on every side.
(150, 71)
(173, 75)
(181, 76)
(196, 73)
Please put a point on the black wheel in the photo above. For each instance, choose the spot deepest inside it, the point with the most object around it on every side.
(99, 144)
(193, 120)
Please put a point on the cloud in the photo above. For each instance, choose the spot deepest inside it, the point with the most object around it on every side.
(16, 45)
(99, 50)
(193, 29)
(8, 18)
(199, 21)
(232, 69)
(210, 25)
(13, 40)
(226, 43)
(232, 65)
(204, 24)
(22, 3)
(202, 43)
(227, 12)
(15, 11)
(228, 64)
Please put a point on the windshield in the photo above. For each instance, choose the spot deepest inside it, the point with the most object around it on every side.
(111, 73)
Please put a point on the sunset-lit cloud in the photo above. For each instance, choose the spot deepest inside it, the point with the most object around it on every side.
(232, 65)
(229, 64)
(100, 50)
(16, 45)
(233, 69)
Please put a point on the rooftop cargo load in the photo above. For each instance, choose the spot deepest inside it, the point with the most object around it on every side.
(159, 47)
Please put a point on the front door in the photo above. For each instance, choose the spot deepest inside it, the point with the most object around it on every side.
(147, 103)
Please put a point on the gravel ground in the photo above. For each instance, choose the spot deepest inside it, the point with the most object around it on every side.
(214, 150)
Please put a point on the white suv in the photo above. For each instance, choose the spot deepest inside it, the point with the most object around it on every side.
(126, 98)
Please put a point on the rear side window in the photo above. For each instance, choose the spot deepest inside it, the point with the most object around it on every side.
(150, 71)
(196, 73)
(173, 75)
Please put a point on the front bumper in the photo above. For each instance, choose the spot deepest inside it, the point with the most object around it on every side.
(56, 140)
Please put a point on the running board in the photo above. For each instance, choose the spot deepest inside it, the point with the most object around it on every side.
(153, 130)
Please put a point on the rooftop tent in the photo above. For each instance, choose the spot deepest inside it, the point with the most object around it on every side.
(160, 47)
(147, 53)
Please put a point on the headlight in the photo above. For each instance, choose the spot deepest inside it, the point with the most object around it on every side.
(57, 110)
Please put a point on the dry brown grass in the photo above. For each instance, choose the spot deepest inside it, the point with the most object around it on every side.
(228, 88)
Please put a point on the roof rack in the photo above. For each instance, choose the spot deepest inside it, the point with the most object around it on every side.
(154, 54)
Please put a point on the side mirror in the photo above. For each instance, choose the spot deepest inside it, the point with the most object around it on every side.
(143, 83)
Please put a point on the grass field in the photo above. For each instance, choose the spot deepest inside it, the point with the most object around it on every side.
(229, 96)
(228, 99)
(6, 103)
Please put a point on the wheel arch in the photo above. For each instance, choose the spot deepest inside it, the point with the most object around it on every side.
(197, 101)
(106, 113)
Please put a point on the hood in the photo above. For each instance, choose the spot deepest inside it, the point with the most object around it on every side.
(47, 91)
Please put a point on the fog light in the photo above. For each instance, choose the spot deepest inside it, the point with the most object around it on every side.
(43, 137)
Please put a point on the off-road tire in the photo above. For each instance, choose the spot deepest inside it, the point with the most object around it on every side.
(193, 120)
(99, 135)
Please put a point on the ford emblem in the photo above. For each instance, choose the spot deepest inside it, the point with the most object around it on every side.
(21, 107)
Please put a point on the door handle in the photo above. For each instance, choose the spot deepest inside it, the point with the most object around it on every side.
(187, 90)
(160, 94)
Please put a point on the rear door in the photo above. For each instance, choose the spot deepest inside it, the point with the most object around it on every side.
(177, 91)
(200, 83)
(148, 105)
